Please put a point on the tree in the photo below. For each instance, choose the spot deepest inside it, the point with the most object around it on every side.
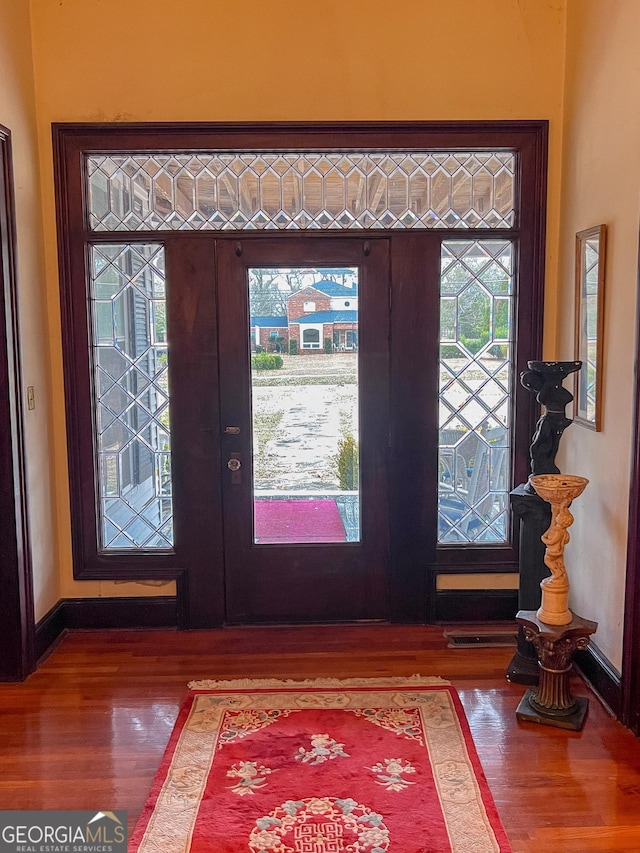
(269, 290)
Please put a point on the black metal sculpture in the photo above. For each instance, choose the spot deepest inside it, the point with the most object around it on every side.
(545, 378)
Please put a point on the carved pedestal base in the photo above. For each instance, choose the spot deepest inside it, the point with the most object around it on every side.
(551, 703)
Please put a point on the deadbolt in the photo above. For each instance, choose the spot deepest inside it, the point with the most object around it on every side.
(234, 464)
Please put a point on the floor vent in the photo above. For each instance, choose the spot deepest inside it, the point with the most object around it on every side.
(467, 640)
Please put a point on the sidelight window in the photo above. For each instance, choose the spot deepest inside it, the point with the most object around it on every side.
(476, 296)
(132, 396)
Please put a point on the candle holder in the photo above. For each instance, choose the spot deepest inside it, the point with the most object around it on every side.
(559, 490)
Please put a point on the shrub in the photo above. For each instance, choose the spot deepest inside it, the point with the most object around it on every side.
(259, 349)
(474, 345)
(293, 347)
(328, 346)
(266, 361)
(348, 463)
(449, 351)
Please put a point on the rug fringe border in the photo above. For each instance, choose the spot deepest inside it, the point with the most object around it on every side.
(415, 680)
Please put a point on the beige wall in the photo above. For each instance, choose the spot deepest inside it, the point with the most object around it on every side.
(17, 112)
(203, 61)
(601, 184)
(137, 60)
(416, 59)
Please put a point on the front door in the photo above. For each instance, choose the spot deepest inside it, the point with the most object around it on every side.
(303, 330)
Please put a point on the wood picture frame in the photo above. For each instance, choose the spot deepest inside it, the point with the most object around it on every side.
(589, 325)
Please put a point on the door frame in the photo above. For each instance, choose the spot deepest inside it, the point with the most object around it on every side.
(17, 654)
(630, 680)
(73, 142)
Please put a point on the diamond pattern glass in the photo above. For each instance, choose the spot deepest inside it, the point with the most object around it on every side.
(476, 310)
(301, 191)
(132, 396)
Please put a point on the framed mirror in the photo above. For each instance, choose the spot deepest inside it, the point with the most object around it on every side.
(590, 267)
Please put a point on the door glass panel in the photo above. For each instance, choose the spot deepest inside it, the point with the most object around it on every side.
(476, 339)
(304, 395)
(131, 396)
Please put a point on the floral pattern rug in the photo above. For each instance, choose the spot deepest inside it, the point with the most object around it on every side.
(353, 766)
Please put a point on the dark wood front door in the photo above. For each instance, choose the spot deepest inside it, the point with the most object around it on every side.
(303, 328)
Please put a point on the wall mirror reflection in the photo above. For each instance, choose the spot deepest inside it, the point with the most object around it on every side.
(590, 268)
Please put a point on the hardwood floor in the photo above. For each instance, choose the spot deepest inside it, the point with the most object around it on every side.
(88, 729)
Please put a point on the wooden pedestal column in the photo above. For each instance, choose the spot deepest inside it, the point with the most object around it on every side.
(552, 703)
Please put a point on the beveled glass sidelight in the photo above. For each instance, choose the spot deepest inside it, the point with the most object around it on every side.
(476, 310)
(303, 331)
(131, 415)
(348, 190)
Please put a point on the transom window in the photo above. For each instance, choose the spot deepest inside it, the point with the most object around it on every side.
(296, 190)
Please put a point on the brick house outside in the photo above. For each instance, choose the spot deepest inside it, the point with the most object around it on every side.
(270, 333)
(323, 311)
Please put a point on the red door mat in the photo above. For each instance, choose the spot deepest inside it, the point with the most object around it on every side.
(291, 521)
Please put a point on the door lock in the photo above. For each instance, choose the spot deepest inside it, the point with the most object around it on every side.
(234, 465)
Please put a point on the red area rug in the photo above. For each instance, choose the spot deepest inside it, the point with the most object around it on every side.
(356, 766)
(289, 521)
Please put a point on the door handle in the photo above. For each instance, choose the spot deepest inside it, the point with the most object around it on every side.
(234, 465)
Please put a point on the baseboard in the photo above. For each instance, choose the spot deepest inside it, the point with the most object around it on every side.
(159, 611)
(601, 676)
(476, 605)
(49, 630)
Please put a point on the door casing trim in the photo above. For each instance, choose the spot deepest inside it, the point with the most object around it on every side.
(72, 141)
(16, 575)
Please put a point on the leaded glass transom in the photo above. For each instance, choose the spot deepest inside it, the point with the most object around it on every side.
(131, 396)
(301, 191)
(476, 311)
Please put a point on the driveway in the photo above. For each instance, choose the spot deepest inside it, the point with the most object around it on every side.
(300, 414)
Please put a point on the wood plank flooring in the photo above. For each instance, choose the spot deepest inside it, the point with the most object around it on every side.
(88, 729)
